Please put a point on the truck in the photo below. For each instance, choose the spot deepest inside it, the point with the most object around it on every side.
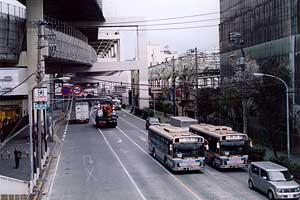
(182, 121)
(106, 115)
(82, 112)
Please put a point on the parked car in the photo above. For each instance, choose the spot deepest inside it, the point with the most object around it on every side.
(273, 180)
(151, 121)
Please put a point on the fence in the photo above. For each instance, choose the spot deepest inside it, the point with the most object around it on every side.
(12, 32)
(11, 126)
(65, 28)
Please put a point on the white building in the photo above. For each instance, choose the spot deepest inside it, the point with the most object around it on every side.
(157, 55)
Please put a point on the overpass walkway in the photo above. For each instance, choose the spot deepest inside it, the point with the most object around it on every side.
(64, 43)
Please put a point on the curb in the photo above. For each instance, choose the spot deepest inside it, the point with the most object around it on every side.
(41, 181)
(38, 188)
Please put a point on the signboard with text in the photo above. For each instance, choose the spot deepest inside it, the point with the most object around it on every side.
(40, 94)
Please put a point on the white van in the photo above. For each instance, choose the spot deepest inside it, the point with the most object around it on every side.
(82, 112)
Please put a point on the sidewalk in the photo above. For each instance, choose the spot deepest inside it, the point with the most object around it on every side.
(7, 163)
(21, 141)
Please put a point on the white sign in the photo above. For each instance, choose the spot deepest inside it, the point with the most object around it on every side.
(189, 140)
(40, 95)
(234, 137)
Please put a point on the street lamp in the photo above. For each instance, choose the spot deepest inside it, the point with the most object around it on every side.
(32, 164)
(287, 107)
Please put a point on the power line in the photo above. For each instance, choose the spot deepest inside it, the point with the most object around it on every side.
(173, 28)
(8, 91)
(173, 18)
(175, 23)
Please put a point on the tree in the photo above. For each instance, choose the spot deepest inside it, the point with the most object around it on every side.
(207, 103)
(270, 101)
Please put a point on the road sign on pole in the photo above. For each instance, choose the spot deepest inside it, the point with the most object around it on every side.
(40, 106)
(77, 90)
(40, 94)
(66, 90)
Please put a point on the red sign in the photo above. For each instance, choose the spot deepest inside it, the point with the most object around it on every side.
(66, 90)
(77, 90)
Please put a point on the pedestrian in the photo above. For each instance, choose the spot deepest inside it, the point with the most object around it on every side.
(18, 155)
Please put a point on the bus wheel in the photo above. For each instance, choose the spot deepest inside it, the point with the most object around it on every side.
(165, 161)
(153, 153)
(213, 163)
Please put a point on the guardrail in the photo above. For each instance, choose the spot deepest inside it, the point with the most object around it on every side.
(65, 28)
(12, 10)
(11, 186)
(12, 32)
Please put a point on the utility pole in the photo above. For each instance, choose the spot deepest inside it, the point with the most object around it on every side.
(39, 80)
(174, 89)
(197, 86)
(243, 66)
(236, 39)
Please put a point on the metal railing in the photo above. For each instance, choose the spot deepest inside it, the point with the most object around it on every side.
(12, 10)
(65, 28)
(12, 32)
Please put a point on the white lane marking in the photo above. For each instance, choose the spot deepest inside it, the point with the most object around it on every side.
(142, 131)
(133, 115)
(180, 182)
(87, 159)
(122, 165)
(144, 139)
(151, 157)
(56, 167)
(90, 174)
(87, 164)
(221, 177)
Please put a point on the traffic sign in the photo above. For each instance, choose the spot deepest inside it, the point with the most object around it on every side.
(40, 94)
(66, 90)
(40, 106)
(77, 90)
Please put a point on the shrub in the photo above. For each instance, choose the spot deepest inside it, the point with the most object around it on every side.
(293, 167)
(147, 112)
(257, 153)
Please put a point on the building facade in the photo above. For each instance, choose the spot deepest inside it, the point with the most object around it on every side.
(269, 28)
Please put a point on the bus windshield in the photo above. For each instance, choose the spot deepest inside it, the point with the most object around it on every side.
(188, 150)
(233, 148)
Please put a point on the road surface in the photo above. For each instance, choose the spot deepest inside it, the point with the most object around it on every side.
(114, 163)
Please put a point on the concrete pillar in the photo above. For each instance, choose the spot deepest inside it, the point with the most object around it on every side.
(118, 51)
(34, 13)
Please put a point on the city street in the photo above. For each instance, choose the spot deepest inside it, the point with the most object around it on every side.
(114, 163)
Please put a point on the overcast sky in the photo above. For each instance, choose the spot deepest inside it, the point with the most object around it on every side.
(180, 40)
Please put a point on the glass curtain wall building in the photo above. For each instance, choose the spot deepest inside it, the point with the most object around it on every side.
(270, 29)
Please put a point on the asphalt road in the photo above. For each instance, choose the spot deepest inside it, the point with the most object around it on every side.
(114, 163)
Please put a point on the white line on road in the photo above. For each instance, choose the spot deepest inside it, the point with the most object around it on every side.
(159, 163)
(122, 165)
(134, 115)
(142, 131)
(222, 177)
(56, 167)
(180, 182)
(144, 139)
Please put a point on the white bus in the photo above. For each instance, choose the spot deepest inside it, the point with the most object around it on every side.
(177, 148)
(227, 148)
